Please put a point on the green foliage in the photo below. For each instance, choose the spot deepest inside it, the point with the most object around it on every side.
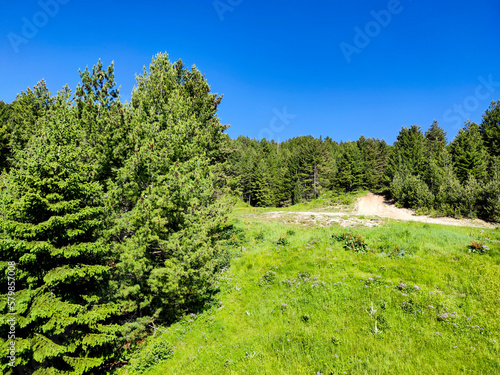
(411, 192)
(352, 241)
(408, 156)
(155, 352)
(167, 209)
(104, 121)
(26, 110)
(50, 221)
(350, 170)
(490, 199)
(450, 197)
(283, 241)
(469, 153)
(490, 128)
(4, 135)
(478, 247)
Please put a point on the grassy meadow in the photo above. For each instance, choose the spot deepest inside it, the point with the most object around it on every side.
(398, 298)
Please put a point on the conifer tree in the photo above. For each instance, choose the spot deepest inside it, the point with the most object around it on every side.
(435, 138)
(28, 107)
(104, 120)
(51, 215)
(469, 154)
(490, 128)
(166, 196)
(4, 135)
(350, 171)
(408, 156)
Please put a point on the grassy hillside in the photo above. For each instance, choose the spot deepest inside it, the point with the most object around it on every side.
(410, 298)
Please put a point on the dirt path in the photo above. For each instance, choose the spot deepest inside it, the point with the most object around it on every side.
(376, 205)
(372, 205)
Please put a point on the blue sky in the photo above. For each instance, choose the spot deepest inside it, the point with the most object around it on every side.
(337, 68)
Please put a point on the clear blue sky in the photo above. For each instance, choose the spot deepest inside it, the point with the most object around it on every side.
(418, 60)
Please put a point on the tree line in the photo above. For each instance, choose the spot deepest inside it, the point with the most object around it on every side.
(421, 170)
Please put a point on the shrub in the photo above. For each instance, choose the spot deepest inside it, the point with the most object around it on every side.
(283, 241)
(353, 242)
(268, 278)
(152, 354)
(478, 247)
(490, 199)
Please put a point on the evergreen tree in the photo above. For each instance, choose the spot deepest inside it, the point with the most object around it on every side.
(374, 153)
(450, 199)
(490, 128)
(350, 171)
(28, 107)
(103, 119)
(166, 196)
(51, 215)
(408, 156)
(435, 138)
(469, 154)
(4, 135)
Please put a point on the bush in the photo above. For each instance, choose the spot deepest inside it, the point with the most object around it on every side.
(353, 242)
(155, 352)
(411, 192)
(490, 200)
(450, 197)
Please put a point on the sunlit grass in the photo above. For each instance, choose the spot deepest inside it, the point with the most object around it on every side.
(309, 306)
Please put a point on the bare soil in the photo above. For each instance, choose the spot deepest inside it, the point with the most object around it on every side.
(371, 205)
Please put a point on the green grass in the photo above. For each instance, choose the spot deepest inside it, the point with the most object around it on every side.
(308, 306)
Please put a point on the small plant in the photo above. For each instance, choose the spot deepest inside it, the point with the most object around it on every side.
(283, 241)
(336, 341)
(268, 278)
(290, 232)
(353, 242)
(259, 236)
(478, 247)
(398, 253)
(154, 353)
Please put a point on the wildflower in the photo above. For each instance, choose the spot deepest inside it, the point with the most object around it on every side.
(417, 287)
(402, 286)
(430, 306)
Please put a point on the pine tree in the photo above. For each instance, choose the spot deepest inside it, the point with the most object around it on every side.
(408, 156)
(490, 128)
(350, 171)
(51, 215)
(435, 138)
(469, 154)
(103, 120)
(166, 196)
(28, 107)
(4, 135)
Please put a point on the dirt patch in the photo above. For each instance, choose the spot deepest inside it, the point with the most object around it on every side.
(321, 219)
(376, 205)
(370, 205)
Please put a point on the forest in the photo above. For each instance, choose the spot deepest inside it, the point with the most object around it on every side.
(422, 171)
(114, 214)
